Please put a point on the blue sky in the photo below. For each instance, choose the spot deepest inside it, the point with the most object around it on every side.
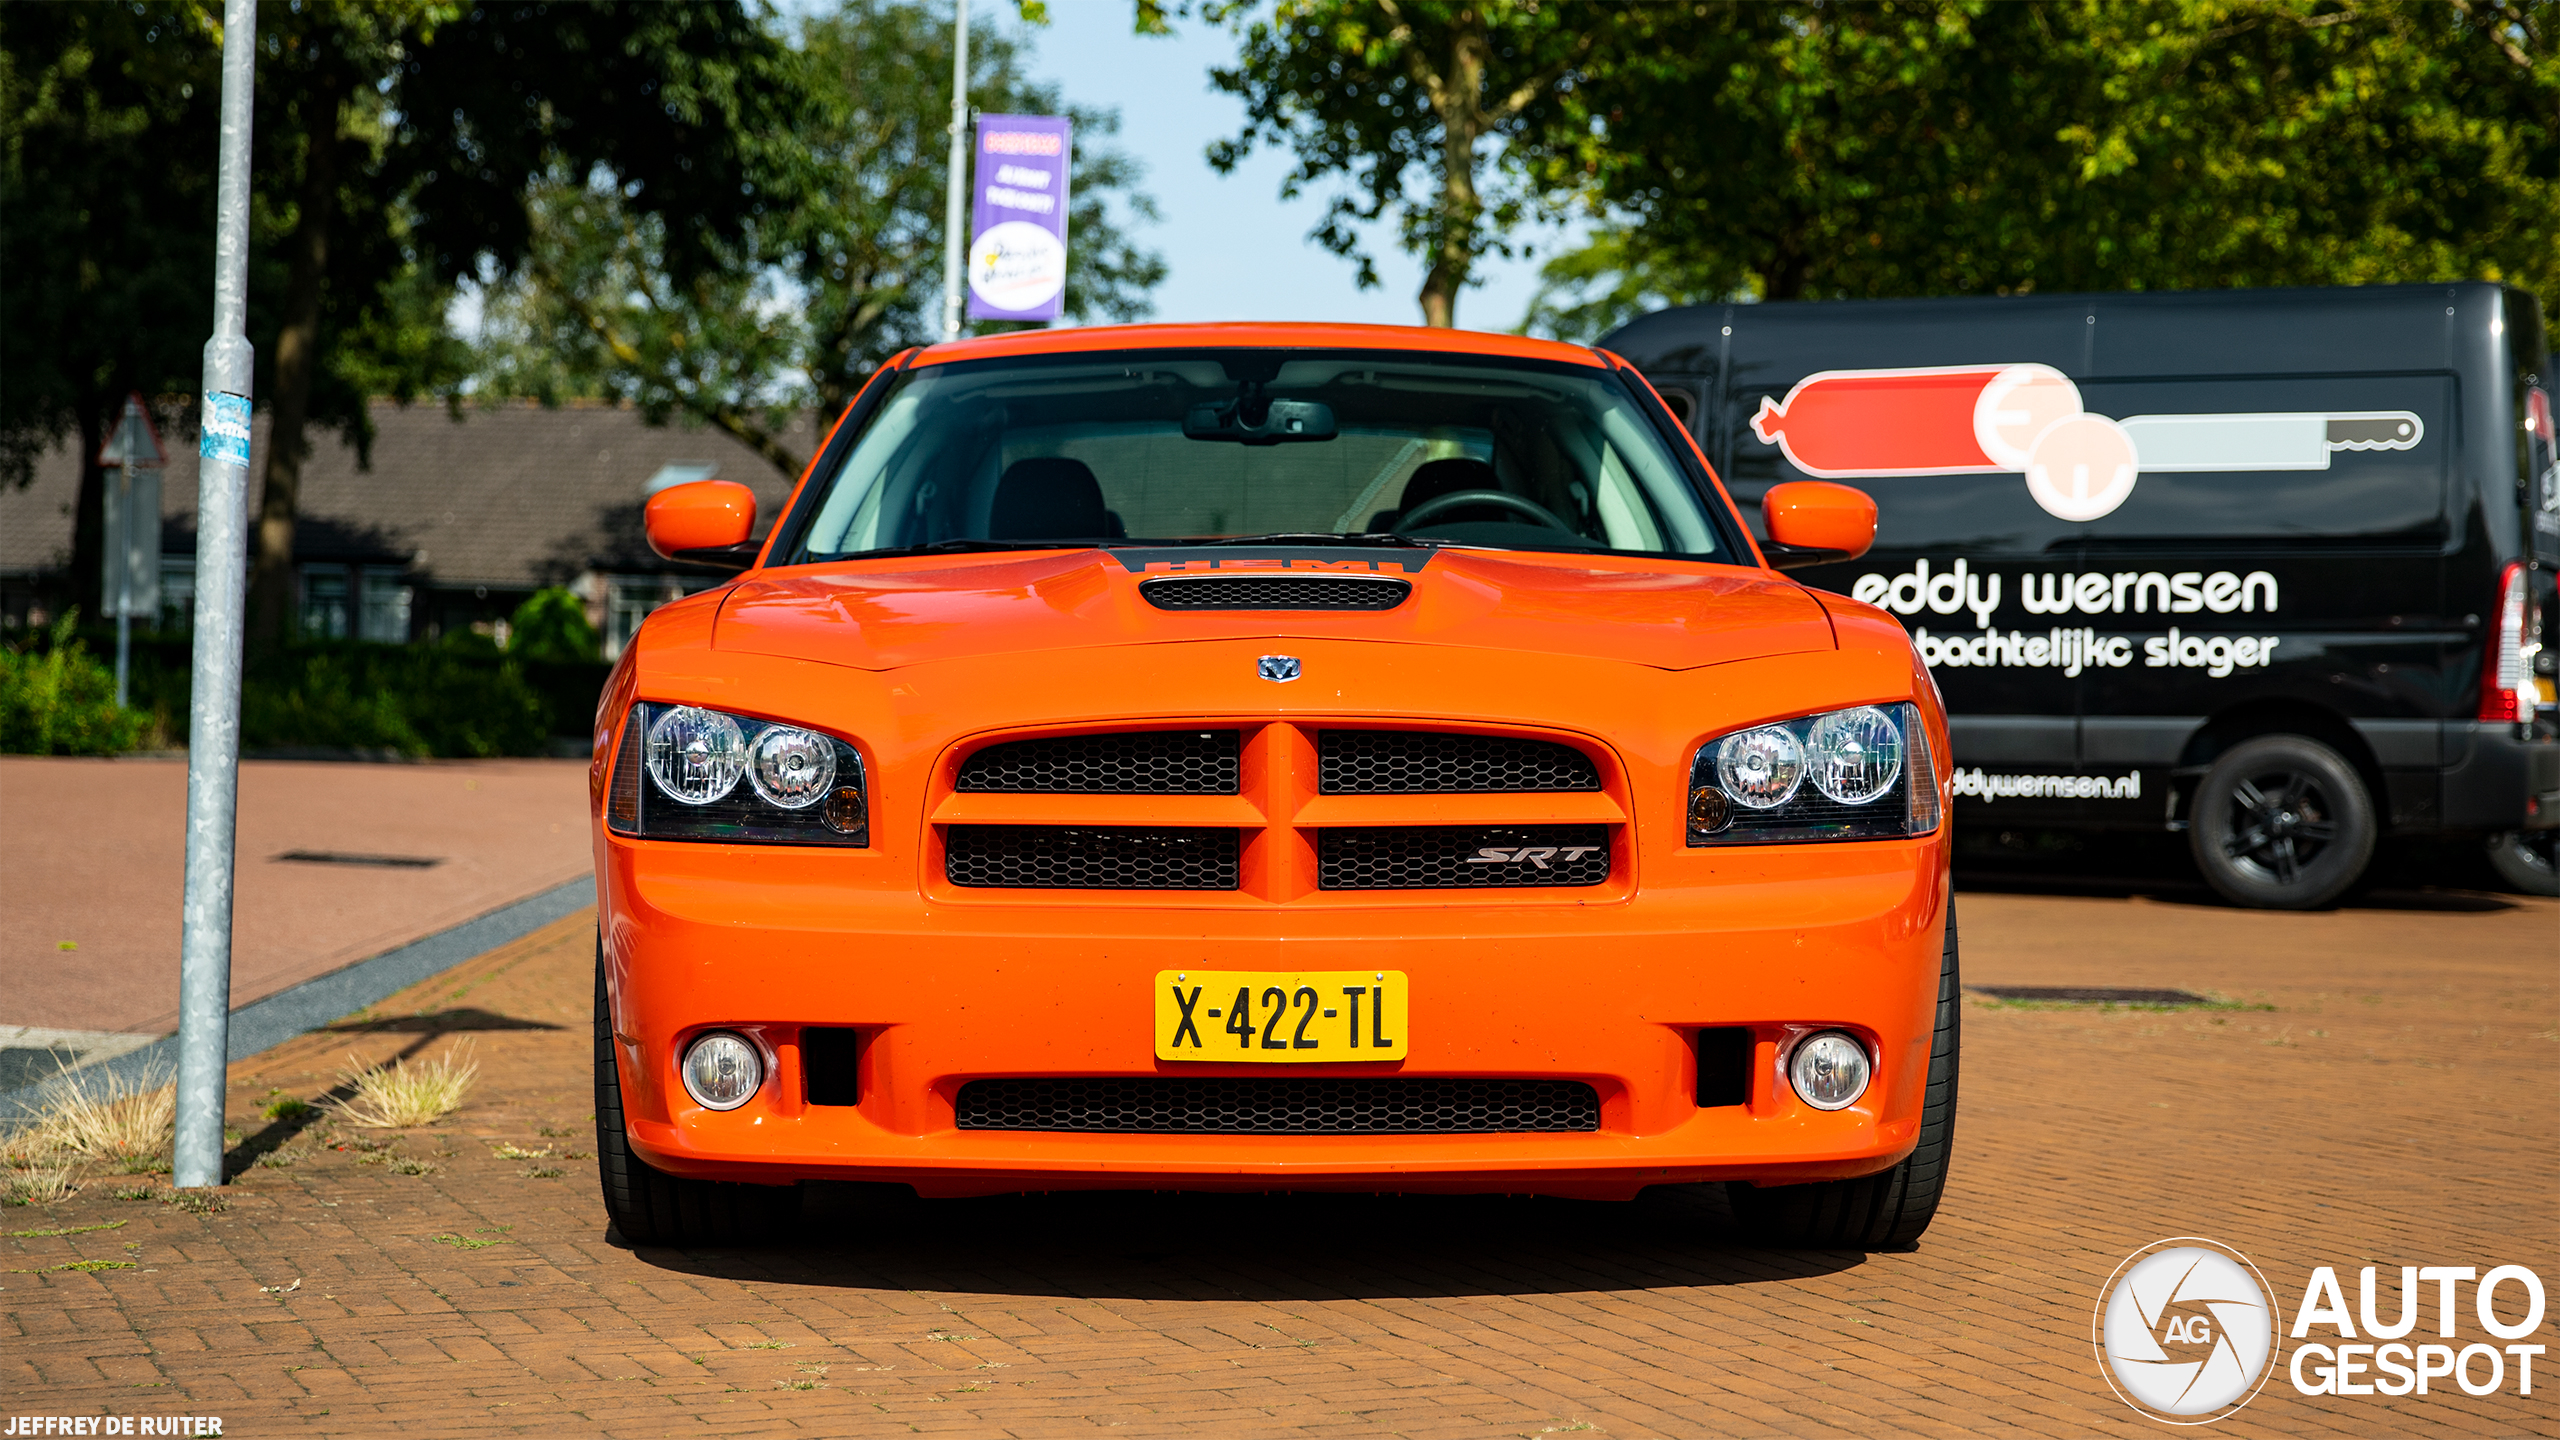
(1235, 249)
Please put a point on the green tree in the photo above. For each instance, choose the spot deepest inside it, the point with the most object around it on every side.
(840, 269)
(1370, 94)
(459, 111)
(394, 145)
(106, 234)
(1800, 150)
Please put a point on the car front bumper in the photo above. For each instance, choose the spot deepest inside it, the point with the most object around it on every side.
(1609, 992)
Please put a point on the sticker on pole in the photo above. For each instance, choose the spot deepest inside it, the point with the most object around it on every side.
(226, 429)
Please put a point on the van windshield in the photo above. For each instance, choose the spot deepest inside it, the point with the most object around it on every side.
(1201, 446)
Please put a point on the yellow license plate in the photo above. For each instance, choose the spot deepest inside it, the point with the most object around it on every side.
(1302, 1017)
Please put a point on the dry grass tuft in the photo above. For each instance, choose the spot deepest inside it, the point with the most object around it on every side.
(404, 1095)
(35, 1187)
(106, 1119)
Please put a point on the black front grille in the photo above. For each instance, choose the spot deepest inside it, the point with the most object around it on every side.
(1430, 762)
(1277, 592)
(1132, 762)
(1461, 857)
(1090, 857)
(1243, 1105)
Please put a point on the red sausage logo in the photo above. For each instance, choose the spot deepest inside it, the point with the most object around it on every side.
(2028, 419)
(1959, 420)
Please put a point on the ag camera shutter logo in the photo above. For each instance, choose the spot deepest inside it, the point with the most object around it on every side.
(2184, 1331)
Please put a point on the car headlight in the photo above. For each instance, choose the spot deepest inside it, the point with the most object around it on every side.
(1859, 774)
(686, 773)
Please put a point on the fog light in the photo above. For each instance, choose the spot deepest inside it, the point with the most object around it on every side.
(722, 1071)
(1829, 1070)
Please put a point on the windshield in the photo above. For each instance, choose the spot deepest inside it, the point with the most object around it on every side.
(1196, 446)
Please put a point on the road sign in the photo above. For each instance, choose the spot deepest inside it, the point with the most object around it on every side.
(130, 584)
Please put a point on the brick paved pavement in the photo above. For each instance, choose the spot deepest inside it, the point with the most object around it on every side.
(2393, 1107)
(107, 881)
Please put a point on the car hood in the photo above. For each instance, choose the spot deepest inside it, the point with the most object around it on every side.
(882, 614)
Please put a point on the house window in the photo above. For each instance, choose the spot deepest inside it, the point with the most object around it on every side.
(352, 602)
(177, 594)
(385, 614)
(324, 602)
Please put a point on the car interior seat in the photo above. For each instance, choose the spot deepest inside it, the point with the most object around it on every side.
(1050, 497)
(1435, 478)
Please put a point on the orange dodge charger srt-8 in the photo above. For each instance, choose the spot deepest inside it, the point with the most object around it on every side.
(1271, 757)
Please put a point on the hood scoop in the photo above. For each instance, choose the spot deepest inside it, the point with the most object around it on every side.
(1275, 592)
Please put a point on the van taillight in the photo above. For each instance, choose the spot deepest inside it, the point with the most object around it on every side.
(2504, 671)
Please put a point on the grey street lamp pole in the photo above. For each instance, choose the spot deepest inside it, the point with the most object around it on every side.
(222, 558)
(954, 213)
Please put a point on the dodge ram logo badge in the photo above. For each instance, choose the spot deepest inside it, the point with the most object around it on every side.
(1537, 855)
(1279, 669)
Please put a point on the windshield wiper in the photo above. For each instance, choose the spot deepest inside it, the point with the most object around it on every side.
(1369, 540)
(964, 545)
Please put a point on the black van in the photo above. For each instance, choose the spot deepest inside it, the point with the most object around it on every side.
(2270, 567)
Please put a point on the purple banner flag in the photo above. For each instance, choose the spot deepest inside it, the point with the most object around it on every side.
(1018, 218)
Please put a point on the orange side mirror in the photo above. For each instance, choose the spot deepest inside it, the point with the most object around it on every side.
(1814, 522)
(706, 522)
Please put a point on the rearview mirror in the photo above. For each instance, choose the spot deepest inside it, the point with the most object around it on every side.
(706, 522)
(1814, 522)
(1282, 421)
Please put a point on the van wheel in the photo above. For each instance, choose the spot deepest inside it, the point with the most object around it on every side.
(2524, 859)
(650, 1206)
(1887, 1211)
(2282, 822)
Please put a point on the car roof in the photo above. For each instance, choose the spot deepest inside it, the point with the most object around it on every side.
(1247, 334)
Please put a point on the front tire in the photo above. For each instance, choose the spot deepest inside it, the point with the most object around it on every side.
(650, 1206)
(2282, 822)
(1889, 1210)
(2525, 859)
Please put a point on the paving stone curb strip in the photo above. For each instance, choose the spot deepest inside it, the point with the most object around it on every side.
(264, 1024)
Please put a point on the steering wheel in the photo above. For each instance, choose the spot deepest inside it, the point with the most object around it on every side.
(1459, 499)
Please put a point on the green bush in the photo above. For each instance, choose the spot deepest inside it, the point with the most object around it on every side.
(551, 626)
(569, 690)
(457, 699)
(58, 699)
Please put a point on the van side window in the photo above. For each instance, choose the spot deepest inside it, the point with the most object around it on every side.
(2300, 460)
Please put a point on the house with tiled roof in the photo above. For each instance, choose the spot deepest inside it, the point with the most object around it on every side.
(457, 520)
